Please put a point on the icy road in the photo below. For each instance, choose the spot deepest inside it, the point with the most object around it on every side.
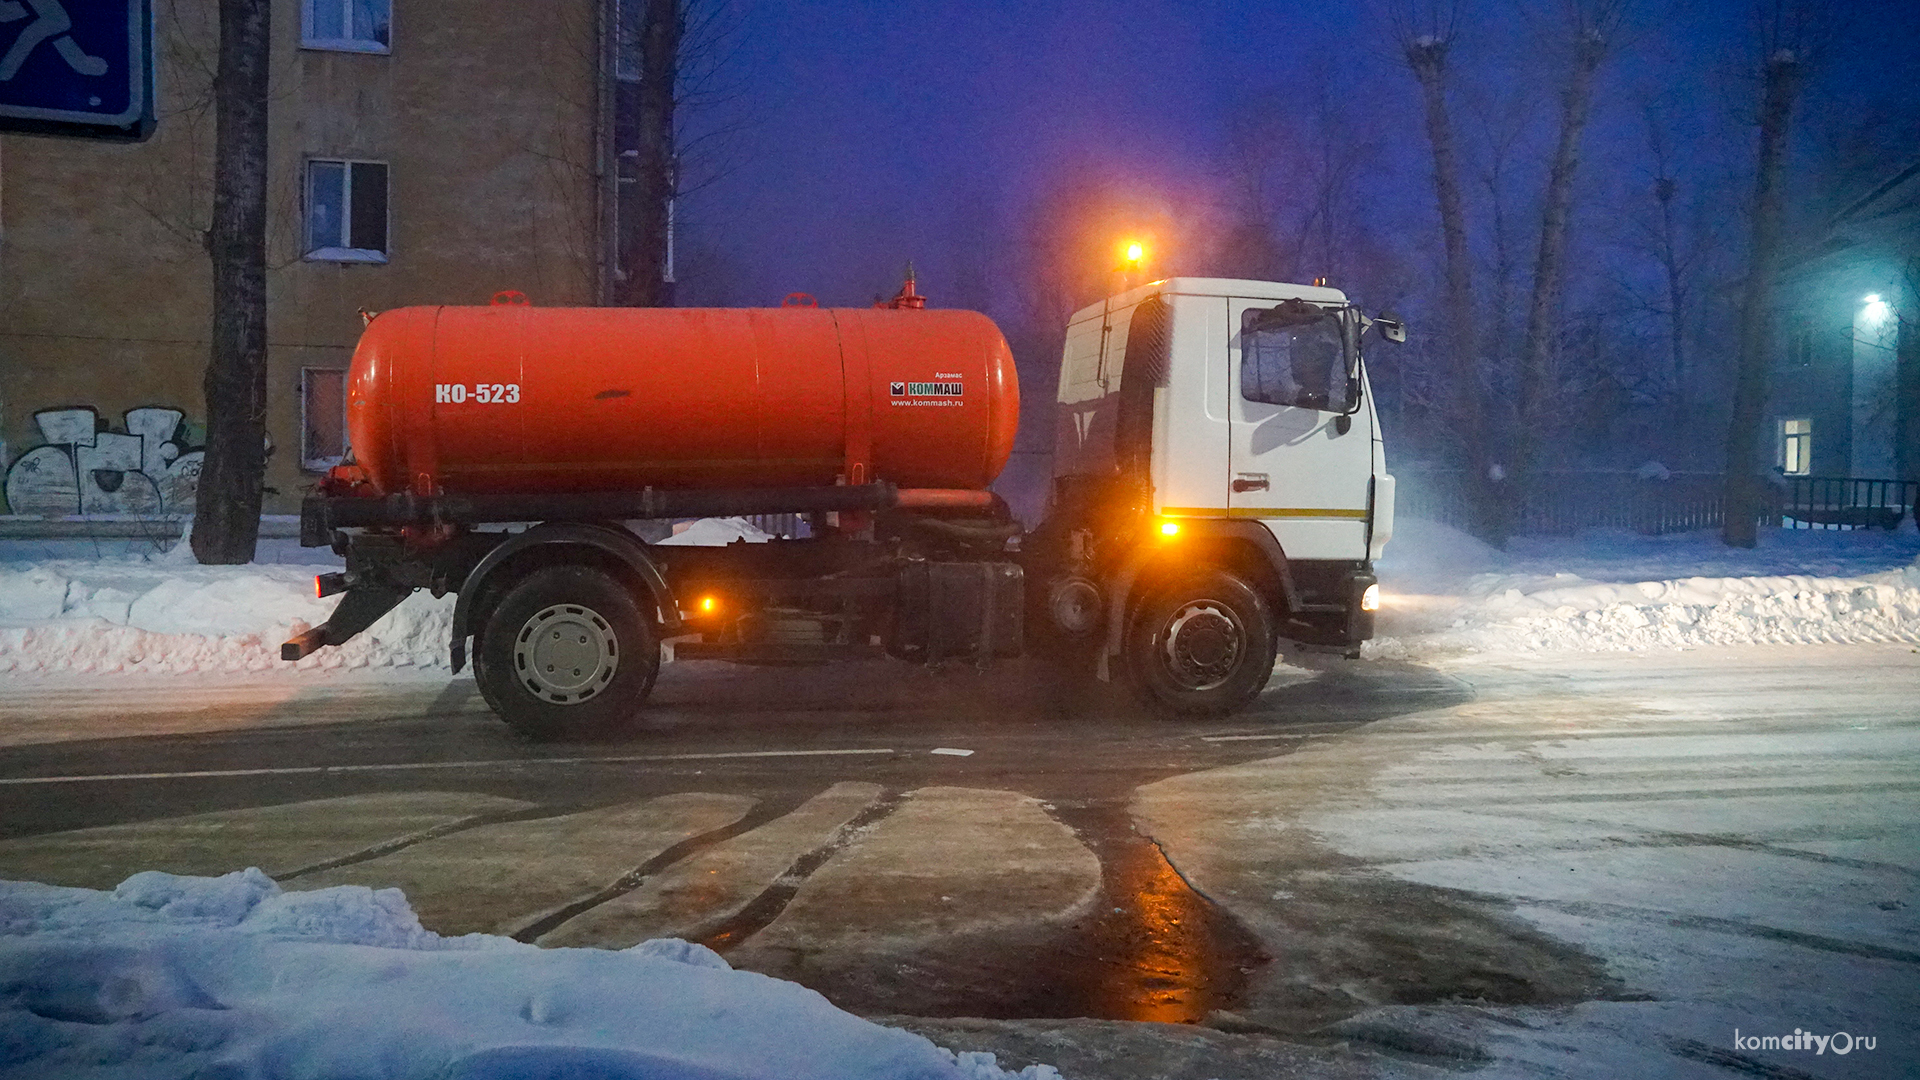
(1602, 806)
(1601, 864)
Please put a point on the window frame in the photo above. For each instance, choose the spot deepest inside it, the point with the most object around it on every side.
(1799, 350)
(1348, 331)
(1795, 444)
(346, 44)
(308, 461)
(344, 254)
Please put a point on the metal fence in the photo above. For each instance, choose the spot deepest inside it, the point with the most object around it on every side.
(1564, 502)
(1845, 502)
(789, 526)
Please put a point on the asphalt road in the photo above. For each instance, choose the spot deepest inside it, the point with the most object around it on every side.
(1350, 876)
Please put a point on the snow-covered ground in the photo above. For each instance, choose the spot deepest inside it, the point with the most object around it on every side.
(1614, 590)
(171, 976)
(1446, 594)
(64, 609)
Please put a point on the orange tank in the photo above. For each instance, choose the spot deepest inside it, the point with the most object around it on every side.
(473, 400)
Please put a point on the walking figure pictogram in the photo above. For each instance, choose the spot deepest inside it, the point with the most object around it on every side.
(53, 22)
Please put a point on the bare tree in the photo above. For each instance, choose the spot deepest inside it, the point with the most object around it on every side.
(1249, 247)
(226, 522)
(1425, 33)
(1786, 29)
(1504, 113)
(645, 242)
(673, 59)
(1592, 27)
(1292, 213)
(1667, 250)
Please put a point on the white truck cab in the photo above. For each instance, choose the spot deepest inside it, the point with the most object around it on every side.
(1232, 421)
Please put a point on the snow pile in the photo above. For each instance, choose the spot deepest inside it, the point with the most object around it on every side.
(1445, 592)
(230, 976)
(718, 532)
(166, 614)
(157, 615)
(1609, 590)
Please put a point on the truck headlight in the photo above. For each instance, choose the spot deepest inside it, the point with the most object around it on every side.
(1370, 599)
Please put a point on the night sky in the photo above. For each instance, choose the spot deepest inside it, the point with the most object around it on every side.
(868, 133)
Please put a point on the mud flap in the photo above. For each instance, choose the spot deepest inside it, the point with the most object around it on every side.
(360, 608)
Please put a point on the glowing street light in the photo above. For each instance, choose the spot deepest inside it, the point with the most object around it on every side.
(1135, 252)
(1876, 311)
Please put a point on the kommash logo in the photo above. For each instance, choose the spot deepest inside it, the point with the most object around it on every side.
(945, 389)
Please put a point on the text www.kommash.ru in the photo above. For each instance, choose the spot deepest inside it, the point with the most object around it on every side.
(1839, 1042)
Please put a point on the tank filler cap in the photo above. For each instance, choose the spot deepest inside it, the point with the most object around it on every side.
(799, 299)
(510, 298)
(907, 297)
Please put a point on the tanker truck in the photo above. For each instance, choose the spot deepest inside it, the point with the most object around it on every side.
(1218, 484)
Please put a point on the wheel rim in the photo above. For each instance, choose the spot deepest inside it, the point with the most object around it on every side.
(1202, 645)
(565, 654)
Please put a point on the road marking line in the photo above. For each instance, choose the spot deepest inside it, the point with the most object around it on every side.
(297, 770)
(951, 752)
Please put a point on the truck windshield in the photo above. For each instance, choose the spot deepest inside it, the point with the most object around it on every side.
(1297, 354)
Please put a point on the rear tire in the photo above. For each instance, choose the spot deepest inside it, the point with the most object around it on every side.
(1201, 647)
(566, 654)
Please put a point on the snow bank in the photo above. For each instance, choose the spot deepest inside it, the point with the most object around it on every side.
(166, 614)
(1609, 590)
(1445, 592)
(154, 615)
(718, 532)
(180, 976)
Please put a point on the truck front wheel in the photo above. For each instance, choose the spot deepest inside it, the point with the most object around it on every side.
(1203, 646)
(566, 654)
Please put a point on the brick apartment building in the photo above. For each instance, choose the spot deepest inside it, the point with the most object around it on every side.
(422, 151)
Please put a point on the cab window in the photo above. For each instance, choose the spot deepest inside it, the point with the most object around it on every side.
(1296, 354)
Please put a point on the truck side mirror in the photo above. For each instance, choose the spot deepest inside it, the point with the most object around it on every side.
(1393, 330)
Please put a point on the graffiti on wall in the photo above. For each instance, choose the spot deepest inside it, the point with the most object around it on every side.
(81, 468)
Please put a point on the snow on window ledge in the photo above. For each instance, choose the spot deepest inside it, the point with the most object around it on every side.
(346, 255)
(345, 45)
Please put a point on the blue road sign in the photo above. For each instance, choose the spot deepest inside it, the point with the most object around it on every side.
(79, 68)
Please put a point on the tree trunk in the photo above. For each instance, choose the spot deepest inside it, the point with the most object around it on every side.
(1427, 57)
(1742, 502)
(1549, 274)
(1676, 300)
(648, 278)
(226, 521)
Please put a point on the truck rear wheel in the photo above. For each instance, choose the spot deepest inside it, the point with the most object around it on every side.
(1201, 647)
(566, 654)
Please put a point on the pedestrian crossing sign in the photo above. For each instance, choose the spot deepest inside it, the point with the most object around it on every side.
(77, 68)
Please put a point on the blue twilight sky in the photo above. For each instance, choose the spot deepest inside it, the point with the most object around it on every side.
(871, 133)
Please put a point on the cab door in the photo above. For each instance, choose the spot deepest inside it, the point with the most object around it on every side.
(1291, 390)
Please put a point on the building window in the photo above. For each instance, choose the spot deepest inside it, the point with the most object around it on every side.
(1799, 343)
(350, 25)
(1796, 447)
(347, 211)
(323, 418)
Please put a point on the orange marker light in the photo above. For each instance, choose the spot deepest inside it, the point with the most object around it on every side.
(1135, 253)
(1169, 528)
(708, 604)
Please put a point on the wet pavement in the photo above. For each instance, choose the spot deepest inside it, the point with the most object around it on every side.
(800, 823)
(1277, 885)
